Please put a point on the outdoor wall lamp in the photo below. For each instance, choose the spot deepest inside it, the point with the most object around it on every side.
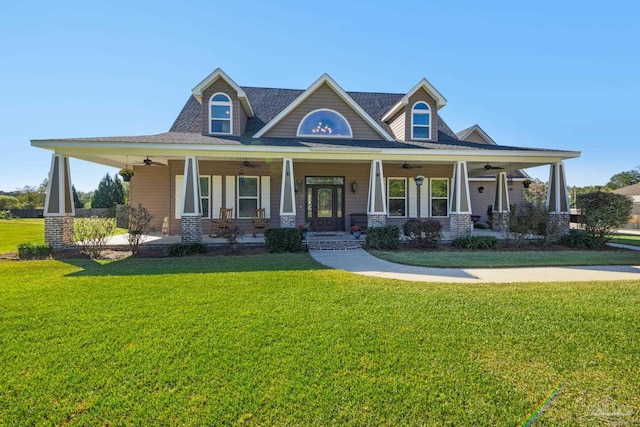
(354, 186)
(481, 189)
(297, 186)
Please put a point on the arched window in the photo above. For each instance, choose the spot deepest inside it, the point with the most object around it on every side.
(326, 124)
(220, 113)
(420, 121)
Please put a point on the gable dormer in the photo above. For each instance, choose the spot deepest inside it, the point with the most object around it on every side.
(225, 105)
(475, 134)
(324, 102)
(415, 116)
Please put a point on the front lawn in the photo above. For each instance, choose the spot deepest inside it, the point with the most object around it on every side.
(625, 239)
(488, 259)
(16, 231)
(277, 340)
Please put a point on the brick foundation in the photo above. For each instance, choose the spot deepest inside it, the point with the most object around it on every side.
(58, 231)
(191, 229)
(376, 220)
(500, 221)
(287, 221)
(460, 225)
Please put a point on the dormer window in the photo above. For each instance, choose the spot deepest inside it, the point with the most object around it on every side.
(325, 124)
(220, 110)
(420, 121)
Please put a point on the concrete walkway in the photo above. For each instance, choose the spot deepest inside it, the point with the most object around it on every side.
(359, 261)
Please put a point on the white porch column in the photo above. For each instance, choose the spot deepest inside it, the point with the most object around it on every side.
(460, 223)
(58, 206)
(287, 196)
(191, 212)
(377, 199)
(558, 199)
(501, 206)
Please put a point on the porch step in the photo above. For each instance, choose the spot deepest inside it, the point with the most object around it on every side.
(335, 245)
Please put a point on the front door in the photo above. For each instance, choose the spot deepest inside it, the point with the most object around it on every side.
(325, 204)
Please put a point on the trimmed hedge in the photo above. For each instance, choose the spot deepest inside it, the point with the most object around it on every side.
(34, 251)
(385, 238)
(283, 239)
(183, 249)
(476, 242)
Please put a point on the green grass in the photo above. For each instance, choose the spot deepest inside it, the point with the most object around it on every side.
(277, 340)
(488, 259)
(25, 230)
(16, 231)
(626, 239)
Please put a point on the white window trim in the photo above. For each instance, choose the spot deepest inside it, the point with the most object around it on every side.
(220, 103)
(238, 197)
(324, 136)
(207, 198)
(397, 198)
(413, 125)
(431, 198)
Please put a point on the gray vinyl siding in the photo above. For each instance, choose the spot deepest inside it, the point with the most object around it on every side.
(422, 95)
(476, 137)
(323, 97)
(239, 116)
(397, 125)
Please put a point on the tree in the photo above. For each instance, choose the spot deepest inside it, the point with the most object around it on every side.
(8, 202)
(624, 179)
(76, 199)
(536, 193)
(602, 213)
(109, 193)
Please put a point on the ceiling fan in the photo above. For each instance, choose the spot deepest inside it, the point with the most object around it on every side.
(489, 167)
(149, 162)
(406, 165)
(248, 164)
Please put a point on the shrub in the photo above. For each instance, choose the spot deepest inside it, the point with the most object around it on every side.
(602, 213)
(580, 239)
(6, 214)
(282, 239)
(91, 234)
(385, 238)
(122, 216)
(476, 242)
(427, 234)
(184, 249)
(139, 226)
(34, 251)
(232, 235)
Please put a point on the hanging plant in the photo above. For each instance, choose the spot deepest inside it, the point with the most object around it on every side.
(526, 183)
(126, 174)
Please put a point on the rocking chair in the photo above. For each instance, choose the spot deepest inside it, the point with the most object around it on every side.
(259, 220)
(222, 223)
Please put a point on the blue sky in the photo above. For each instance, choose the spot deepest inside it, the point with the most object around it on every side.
(546, 74)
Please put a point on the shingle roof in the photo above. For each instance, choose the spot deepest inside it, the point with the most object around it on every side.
(268, 102)
(629, 190)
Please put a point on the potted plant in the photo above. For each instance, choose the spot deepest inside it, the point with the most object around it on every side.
(356, 230)
(126, 174)
(526, 183)
(303, 229)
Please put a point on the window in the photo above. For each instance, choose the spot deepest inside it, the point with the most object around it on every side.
(439, 197)
(397, 191)
(220, 113)
(420, 121)
(204, 195)
(325, 124)
(248, 190)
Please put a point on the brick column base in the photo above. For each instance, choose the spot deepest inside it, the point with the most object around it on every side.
(58, 231)
(460, 225)
(191, 227)
(376, 220)
(500, 221)
(559, 224)
(287, 221)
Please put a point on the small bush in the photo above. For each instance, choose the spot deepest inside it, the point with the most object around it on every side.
(282, 239)
(385, 238)
(580, 239)
(184, 249)
(91, 234)
(6, 214)
(34, 251)
(232, 235)
(139, 226)
(601, 213)
(427, 234)
(476, 242)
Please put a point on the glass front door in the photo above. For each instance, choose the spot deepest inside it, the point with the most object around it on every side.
(325, 202)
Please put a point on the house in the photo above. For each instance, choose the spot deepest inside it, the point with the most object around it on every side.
(320, 155)
(632, 191)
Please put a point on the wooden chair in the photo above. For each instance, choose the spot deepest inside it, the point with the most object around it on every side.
(259, 220)
(223, 222)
